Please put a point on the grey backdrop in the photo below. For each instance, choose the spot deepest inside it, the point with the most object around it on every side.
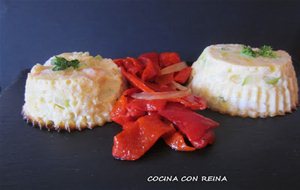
(32, 31)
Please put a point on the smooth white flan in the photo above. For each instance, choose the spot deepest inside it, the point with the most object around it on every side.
(74, 98)
(242, 85)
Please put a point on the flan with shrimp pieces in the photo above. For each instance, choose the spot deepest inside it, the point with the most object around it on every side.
(243, 81)
(72, 91)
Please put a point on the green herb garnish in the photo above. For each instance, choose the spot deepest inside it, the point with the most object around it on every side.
(59, 106)
(264, 51)
(61, 63)
(247, 50)
(247, 80)
(272, 80)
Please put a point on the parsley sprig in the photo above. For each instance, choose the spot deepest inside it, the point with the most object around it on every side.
(247, 50)
(264, 51)
(61, 63)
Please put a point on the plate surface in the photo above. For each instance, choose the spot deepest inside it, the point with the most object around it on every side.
(251, 153)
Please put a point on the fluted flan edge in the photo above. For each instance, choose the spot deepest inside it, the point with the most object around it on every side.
(253, 102)
(67, 126)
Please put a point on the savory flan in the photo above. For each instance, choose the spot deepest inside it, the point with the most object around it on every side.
(244, 81)
(72, 91)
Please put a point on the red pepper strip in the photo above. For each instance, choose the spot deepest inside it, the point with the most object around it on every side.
(150, 72)
(129, 124)
(136, 140)
(134, 112)
(196, 127)
(119, 113)
(153, 56)
(136, 81)
(160, 88)
(193, 102)
(139, 105)
(152, 69)
(208, 138)
(183, 75)
(119, 62)
(128, 92)
(128, 65)
(134, 66)
(168, 58)
(164, 79)
(176, 141)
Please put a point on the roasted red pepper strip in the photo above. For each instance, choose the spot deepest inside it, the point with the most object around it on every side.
(133, 66)
(131, 91)
(208, 138)
(134, 80)
(183, 75)
(134, 141)
(150, 60)
(196, 127)
(150, 72)
(153, 56)
(146, 105)
(193, 102)
(129, 124)
(142, 126)
(137, 107)
(176, 141)
(119, 62)
(164, 79)
(168, 58)
(135, 113)
(159, 87)
(119, 113)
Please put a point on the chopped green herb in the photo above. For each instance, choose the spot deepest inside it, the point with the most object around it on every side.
(247, 50)
(272, 80)
(59, 106)
(67, 103)
(247, 80)
(264, 51)
(61, 63)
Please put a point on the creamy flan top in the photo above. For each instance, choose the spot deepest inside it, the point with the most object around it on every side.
(245, 81)
(233, 54)
(74, 97)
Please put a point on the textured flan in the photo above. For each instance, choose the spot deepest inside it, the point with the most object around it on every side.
(241, 85)
(74, 98)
